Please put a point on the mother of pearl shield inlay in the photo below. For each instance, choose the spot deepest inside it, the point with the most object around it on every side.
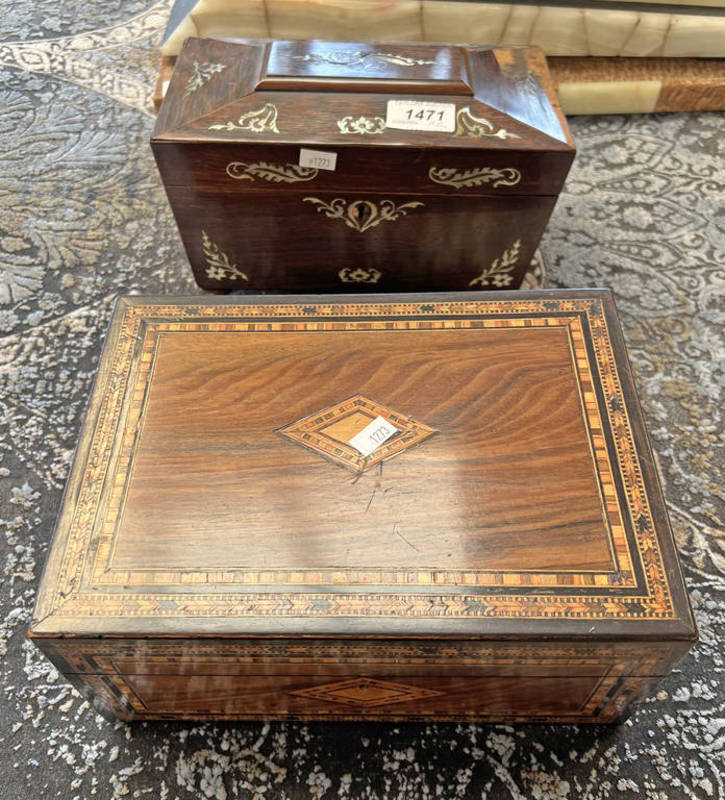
(362, 215)
(364, 58)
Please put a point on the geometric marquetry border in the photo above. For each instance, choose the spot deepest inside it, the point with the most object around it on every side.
(637, 589)
(104, 655)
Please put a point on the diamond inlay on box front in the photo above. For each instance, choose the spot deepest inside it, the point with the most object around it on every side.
(366, 692)
(330, 431)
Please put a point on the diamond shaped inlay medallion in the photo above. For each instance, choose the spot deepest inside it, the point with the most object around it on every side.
(366, 692)
(328, 432)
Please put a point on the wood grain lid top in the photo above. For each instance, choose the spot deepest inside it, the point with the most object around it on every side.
(409, 465)
(338, 93)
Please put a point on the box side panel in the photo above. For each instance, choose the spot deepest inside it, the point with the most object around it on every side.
(248, 167)
(327, 242)
(345, 679)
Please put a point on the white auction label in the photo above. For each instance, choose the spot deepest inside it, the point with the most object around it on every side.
(373, 435)
(317, 159)
(420, 115)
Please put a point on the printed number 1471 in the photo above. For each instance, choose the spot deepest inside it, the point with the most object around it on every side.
(424, 114)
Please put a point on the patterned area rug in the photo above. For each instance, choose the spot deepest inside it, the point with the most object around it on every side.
(83, 218)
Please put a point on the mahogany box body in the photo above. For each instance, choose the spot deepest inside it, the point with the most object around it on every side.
(229, 547)
(432, 167)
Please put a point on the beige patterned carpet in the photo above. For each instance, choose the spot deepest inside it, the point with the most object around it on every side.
(83, 218)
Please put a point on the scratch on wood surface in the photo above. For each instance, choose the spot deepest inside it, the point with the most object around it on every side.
(372, 497)
(378, 485)
(397, 532)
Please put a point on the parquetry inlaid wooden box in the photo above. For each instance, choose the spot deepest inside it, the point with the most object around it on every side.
(447, 164)
(229, 547)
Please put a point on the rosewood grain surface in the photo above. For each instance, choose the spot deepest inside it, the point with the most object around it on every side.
(256, 695)
(563, 700)
(396, 170)
(491, 491)
(434, 245)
